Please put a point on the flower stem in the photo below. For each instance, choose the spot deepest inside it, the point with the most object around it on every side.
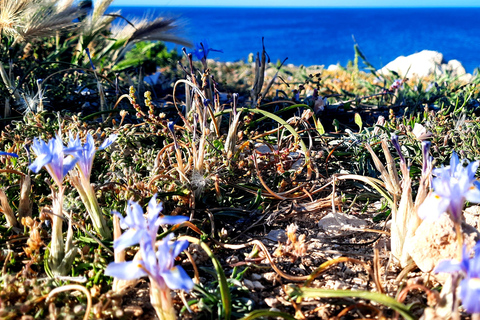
(57, 248)
(161, 301)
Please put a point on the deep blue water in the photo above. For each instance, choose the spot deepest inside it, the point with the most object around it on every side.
(324, 36)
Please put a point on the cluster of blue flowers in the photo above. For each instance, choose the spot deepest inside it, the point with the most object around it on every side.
(452, 186)
(470, 271)
(157, 264)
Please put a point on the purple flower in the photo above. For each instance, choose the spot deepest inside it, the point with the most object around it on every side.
(139, 227)
(396, 145)
(470, 285)
(427, 159)
(2, 153)
(202, 50)
(159, 266)
(52, 157)
(86, 153)
(451, 187)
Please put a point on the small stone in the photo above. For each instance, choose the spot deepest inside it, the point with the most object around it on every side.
(135, 310)
(271, 302)
(232, 260)
(336, 222)
(277, 235)
(78, 308)
(249, 284)
(257, 285)
(256, 276)
(270, 276)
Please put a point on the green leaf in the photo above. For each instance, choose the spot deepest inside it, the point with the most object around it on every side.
(296, 292)
(267, 313)
(358, 121)
(319, 126)
(286, 125)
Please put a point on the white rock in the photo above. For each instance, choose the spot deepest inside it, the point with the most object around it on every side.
(421, 64)
(472, 215)
(271, 302)
(340, 221)
(425, 63)
(333, 67)
(437, 241)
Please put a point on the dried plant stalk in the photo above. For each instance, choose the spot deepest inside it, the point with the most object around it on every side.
(7, 210)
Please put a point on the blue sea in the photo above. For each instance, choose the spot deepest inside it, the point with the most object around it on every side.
(327, 36)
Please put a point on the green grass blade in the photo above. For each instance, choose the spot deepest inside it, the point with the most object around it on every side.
(222, 280)
(303, 292)
(267, 313)
(287, 126)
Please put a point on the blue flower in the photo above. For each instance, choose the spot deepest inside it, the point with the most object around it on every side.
(2, 153)
(451, 187)
(159, 266)
(86, 153)
(470, 285)
(202, 50)
(52, 157)
(139, 227)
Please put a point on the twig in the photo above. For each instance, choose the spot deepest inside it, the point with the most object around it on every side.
(74, 287)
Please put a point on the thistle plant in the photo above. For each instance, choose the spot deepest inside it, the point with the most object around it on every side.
(58, 164)
(80, 178)
(157, 264)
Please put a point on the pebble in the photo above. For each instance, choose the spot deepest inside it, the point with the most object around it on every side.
(135, 310)
(78, 308)
(271, 302)
(256, 276)
(270, 276)
(232, 260)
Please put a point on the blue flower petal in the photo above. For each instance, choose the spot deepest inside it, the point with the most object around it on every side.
(177, 278)
(469, 293)
(448, 266)
(107, 142)
(2, 153)
(68, 164)
(154, 209)
(433, 207)
(178, 247)
(41, 161)
(128, 238)
(125, 270)
(172, 220)
(473, 193)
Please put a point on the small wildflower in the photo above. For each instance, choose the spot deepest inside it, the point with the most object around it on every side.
(52, 157)
(86, 153)
(139, 227)
(159, 266)
(320, 104)
(202, 50)
(421, 132)
(451, 187)
(470, 285)
(397, 84)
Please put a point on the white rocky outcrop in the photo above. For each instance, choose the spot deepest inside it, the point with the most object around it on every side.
(425, 63)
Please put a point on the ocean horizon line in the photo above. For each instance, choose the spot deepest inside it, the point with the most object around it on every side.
(294, 7)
